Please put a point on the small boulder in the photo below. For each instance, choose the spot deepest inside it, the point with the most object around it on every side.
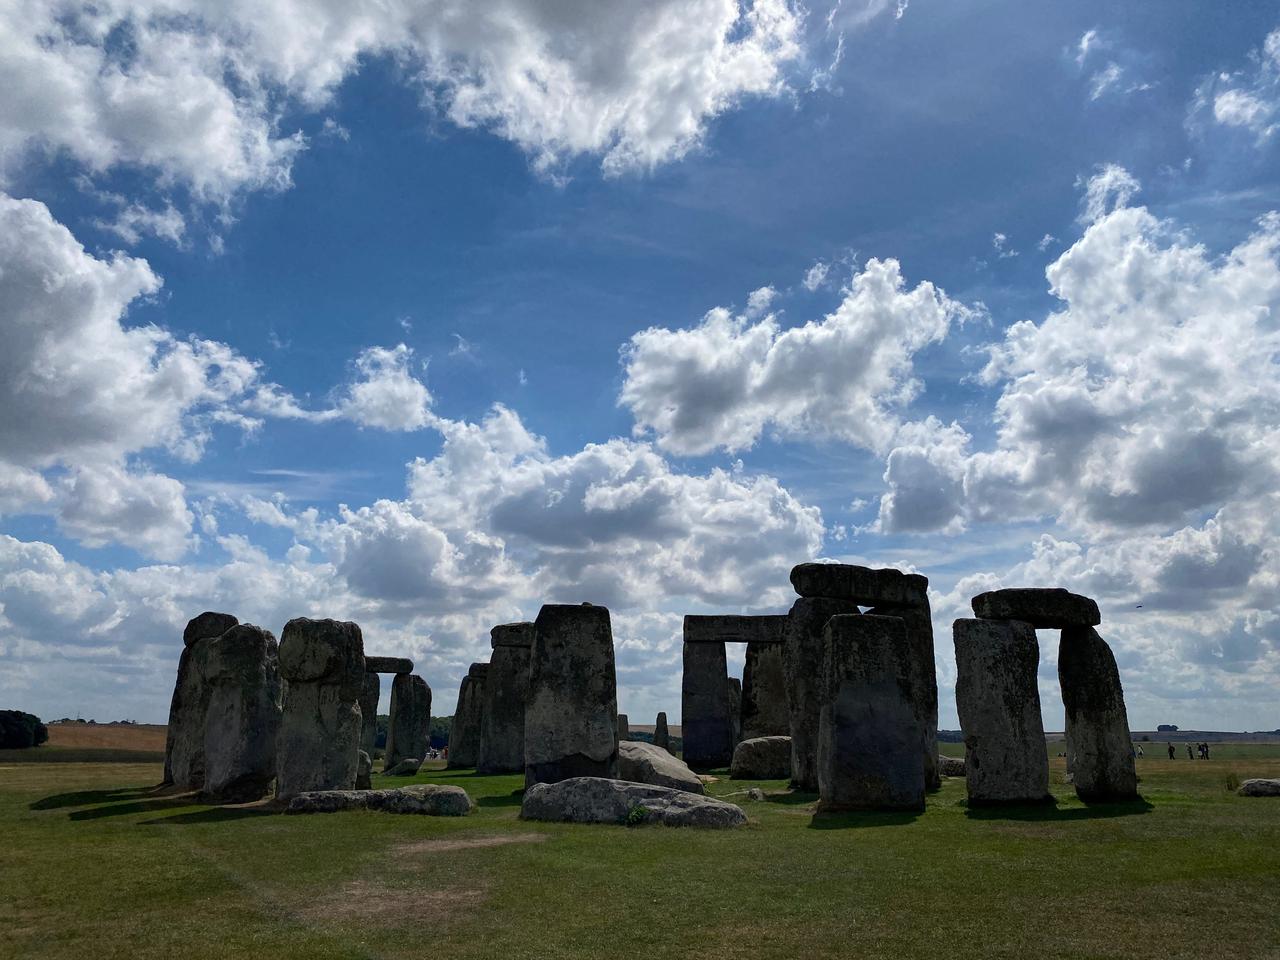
(951, 766)
(640, 762)
(1260, 788)
(762, 758)
(1045, 608)
(364, 772)
(405, 768)
(597, 800)
(427, 799)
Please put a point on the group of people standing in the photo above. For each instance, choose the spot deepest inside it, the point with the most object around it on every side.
(1201, 751)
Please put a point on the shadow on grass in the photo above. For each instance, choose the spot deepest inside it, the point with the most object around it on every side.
(861, 819)
(84, 798)
(212, 815)
(793, 799)
(135, 806)
(513, 799)
(1051, 812)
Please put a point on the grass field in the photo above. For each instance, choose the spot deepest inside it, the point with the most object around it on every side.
(95, 866)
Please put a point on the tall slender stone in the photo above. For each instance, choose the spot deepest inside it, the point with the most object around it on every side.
(506, 691)
(764, 689)
(998, 701)
(735, 710)
(243, 718)
(661, 736)
(871, 730)
(624, 728)
(184, 761)
(409, 721)
(570, 727)
(923, 676)
(1098, 741)
(369, 697)
(464, 735)
(705, 707)
(803, 658)
(322, 664)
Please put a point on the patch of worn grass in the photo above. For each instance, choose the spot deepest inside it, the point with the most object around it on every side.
(95, 865)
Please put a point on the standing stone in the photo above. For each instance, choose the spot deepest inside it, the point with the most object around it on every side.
(871, 731)
(184, 762)
(506, 690)
(369, 710)
(923, 676)
(661, 736)
(364, 771)
(764, 689)
(570, 727)
(803, 661)
(464, 735)
(1006, 761)
(735, 710)
(705, 708)
(1098, 743)
(624, 728)
(243, 719)
(409, 723)
(322, 663)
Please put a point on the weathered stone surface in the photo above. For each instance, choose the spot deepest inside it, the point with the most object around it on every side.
(427, 799)
(405, 768)
(1006, 760)
(803, 662)
(322, 664)
(464, 734)
(869, 740)
(243, 718)
(661, 735)
(641, 762)
(184, 763)
(624, 727)
(1098, 744)
(923, 677)
(364, 771)
(409, 722)
(570, 725)
(705, 708)
(764, 689)
(862, 585)
(369, 697)
(762, 758)
(1045, 609)
(1260, 788)
(506, 693)
(597, 800)
(733, 628)
(950, 766)
(735, 709)
(388, 665)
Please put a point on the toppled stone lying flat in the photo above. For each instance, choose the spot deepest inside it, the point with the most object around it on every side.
(762, 758)
(863, 585)
(428, 799)
(641, 762)
(597, 800)
(388, 665)
(951, 766)
(1043, 608)
(404, 768)
(1260, 788)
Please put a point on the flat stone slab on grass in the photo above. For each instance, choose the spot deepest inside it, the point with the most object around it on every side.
(404, 768)
(640, 762)
(951, 766)
(597, 800)
(863, 585)
(762, 758)
(1043, 608)
(1260, 788)
(428, 799)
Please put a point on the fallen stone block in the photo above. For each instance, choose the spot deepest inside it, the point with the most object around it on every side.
(427, 799)
(597, 800)
(951, 766)
(640, 762)
(1260, 788)
(762, 758)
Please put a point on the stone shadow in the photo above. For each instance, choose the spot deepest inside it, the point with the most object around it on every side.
(134, 806)
(861, 819)
(212, 815)
(513, 799)
(1050, 812)
(84, 798)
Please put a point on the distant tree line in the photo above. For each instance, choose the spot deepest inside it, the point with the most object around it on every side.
(19, 730)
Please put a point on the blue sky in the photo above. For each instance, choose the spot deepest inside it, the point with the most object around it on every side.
(422, 316)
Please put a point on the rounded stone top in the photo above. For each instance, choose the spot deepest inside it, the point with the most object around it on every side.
(478, 671)
(865, 586)
(332, 650)
(1045, 608)
(512, 634)
(240, 654)
(206, 625)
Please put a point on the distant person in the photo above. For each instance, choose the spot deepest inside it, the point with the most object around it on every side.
(1190, 755)
(1206, 750)
(1171, 751)
(1139, 751)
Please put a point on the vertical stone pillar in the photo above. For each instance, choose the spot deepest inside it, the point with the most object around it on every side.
(506, 691)
(369, 697)
(1006, 760)
(803, 660)
(764, 690)
(705, 716)
(322, 664)
(735, 710)
(624, 728)
(1098, 741)
(870, 730)
(923, 673)
(464, 735)
(184, 762)
(243, 719)
(661, 736)
(570, 724)
(409, 720)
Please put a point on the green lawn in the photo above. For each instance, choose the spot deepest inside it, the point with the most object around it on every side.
(92, 866)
